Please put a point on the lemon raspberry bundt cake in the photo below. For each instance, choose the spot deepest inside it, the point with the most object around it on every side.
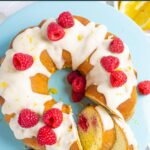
(98, 130)
(106, 77)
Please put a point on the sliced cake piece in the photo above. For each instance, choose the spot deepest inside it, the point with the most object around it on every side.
(124, 136)
(90, 129)
(96, 129)
(109, 133)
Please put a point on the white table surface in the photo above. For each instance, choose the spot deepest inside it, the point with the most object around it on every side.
(9, 7)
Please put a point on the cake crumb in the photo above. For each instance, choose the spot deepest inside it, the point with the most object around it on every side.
(34, 58)
(17, 99)
(118, 69)
(60, 99)
(30, 39)
(70, 129)
(4, 84)
(79, 37)
(35, 104)
(52, 91)
(82, 104)
(129, 68)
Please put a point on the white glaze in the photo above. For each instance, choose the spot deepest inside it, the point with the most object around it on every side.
(18, 94)
(128, 132)
(107, 121)
(91, 37)
(22, 133)
(100, 77)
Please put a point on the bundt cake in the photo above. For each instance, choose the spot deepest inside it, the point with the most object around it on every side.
(68, 41)
(98, 130)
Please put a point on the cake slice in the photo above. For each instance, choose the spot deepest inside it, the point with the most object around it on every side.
(109, 132)
(99, 130)
(96, 129)
(124, 136)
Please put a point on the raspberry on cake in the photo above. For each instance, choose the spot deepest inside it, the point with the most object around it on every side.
(27, 118)
(46, 136)
(22, 61)
(118, 78)
(102, 63)
(53, 117)
(73, 75)
(116, 46)
(55, 32)
(110, 63)
(66, 20)
(77, 97)
(78, 84)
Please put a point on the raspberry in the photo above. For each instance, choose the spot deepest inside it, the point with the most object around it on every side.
(65, 19)
(53, 118)
(28, 118)
(116, 46)
(94, 121)
(144, 87)
(83, 123)
(71, 76)
(118, 78)
(78, 84)
(55, 32)
(22, 61)
(46, 136)
(77, 97)
(110, 63)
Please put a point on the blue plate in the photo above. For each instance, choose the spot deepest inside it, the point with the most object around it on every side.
(116, 23)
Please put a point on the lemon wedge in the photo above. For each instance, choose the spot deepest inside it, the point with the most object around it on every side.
(139, 11)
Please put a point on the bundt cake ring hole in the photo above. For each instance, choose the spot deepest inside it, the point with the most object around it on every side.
(61, 90)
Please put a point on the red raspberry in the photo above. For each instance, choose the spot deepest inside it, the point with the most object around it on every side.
(144, 87)
(77, 97)
(78, 84)
(65, 19)
(116, 46)
(28, 118)
(110, 63)
(46, 136)
(22, 61)
(73, 75)
(83, 123)
(118, 78)
(55, 32)
(53, 118)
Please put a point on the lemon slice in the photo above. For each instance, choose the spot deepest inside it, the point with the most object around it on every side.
(139, 11)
